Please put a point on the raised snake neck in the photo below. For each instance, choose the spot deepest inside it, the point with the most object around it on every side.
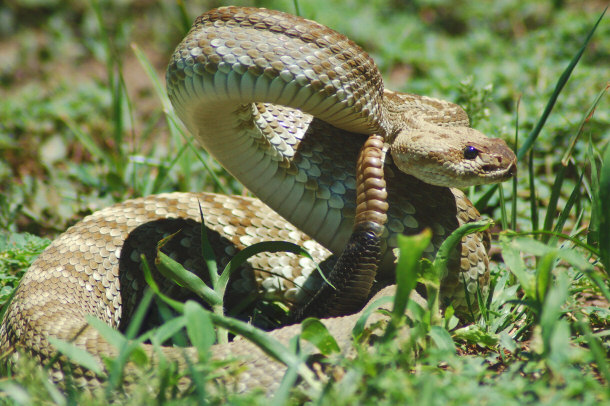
(301, 166)
(234, 58)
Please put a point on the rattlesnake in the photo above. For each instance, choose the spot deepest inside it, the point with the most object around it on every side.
(282, 103)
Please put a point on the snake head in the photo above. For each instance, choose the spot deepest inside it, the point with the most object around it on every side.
(453, 156)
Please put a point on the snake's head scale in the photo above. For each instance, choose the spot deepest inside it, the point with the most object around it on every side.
(453, 156)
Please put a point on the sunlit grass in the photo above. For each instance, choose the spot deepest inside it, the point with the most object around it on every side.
(81, 142)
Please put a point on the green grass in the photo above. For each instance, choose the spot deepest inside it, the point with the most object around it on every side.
(82, 126)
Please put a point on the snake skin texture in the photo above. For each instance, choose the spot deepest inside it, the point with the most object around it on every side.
(280, 101)
(94, 268)
(284, 104)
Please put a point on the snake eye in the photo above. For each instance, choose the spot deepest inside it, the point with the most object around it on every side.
(470, 152)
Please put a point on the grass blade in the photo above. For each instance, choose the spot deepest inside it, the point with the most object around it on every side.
(444, 252)
(442, 339)
(551, 309)
(171, 118)
(264, 246)
(175, 271)
(152, 76)
(267, 344)
(565, 212)
(502, 203)
(411, 250)
(604, 212)
(316, 333)
(532, 197)
(553, 200)
(596, 348)
(14, 391)
(281, 395)
(513, 212)
(77, 355)
(174, 304)
(114, 337)
(588, 115)
(563, 79)
(483, 201)
(372, 307)
(207, 252)
(439, 266)
(543, 276)
(514, 262)
(168, 330)
(529, 141)
(593, 232)
(137, 319)
(199, 328)
(88, 142)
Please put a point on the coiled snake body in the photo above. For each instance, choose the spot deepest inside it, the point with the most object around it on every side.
(284, 104)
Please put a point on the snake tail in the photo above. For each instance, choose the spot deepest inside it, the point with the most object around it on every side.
(353, 275)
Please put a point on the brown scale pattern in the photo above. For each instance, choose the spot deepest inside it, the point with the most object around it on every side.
(93, 268)
(289, 48)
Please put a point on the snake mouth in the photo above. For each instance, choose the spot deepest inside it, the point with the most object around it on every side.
(500, 173)
(506, 173)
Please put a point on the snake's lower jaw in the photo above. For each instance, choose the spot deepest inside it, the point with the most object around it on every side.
(510, 172)
(495, 175)
(431, 174)
(503, 168)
